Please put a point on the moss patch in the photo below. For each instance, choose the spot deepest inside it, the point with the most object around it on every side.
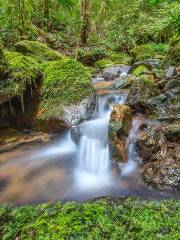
(140, 70)
(103, 219)
(144, 50)
(103, 63)
(24, 70)
(121, 58)
(66, 82)
(39, 50)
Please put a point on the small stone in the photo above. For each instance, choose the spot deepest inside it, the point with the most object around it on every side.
(171, 71)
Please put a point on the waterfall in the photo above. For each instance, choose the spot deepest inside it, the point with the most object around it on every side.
(93, 155)
(132, 155)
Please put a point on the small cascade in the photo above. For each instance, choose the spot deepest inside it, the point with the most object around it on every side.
(93, 155)
(132, 155)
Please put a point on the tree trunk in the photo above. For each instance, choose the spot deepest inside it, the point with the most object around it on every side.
(85, 12)
(46, 13)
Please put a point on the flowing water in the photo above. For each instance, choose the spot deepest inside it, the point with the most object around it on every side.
(75, 170)
(93, 156)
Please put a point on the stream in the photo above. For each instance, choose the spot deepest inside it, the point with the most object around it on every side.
(66, 169)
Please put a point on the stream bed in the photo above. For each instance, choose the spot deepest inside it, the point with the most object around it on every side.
(74, 167)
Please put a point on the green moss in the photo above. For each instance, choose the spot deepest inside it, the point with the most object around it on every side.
(143, 50)
(103, 219)
(121, 58)
(24, 70)
(66, 82)
(37, 49)
(103, 63)
(140, 70)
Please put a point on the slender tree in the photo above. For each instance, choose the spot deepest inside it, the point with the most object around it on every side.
(85, 20)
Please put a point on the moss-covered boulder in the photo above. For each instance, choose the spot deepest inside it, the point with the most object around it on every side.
(104, 63)
(120, 58)
(143, 50)
(24, 71)
(113, 59)
(119, 128)
(67, 82)
(142, 88)
(39, 50)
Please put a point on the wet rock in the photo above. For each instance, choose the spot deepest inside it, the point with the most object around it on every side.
(153, 62)
(172, 83)
(11, 138)
(119, 128)
(142, 88)
(111, 73)
(171, 71)
(76, 113)
(164, 107)
(172, 132)
(150, 143)
(158, 99)
(161, 157)
(164, 175)
(124, 81)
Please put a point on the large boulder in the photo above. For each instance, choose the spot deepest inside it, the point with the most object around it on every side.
(159, 149)
(164, 175)
(119, 128)
(66, 91)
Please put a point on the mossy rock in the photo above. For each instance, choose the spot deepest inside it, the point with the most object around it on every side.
(143, 50)
(24, 71)
(143, 88)
(121, 58)
(140, 70)
(104, 63)
(66, 82)
(39, 50)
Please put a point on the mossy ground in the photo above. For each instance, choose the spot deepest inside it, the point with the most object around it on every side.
(39, 50)
(103, 219)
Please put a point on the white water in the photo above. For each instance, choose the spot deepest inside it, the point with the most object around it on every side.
(132, 157)
(93, 152)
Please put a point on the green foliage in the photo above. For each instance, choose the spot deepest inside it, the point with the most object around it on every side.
(66, 82)
(103, 219)
(39, 50)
